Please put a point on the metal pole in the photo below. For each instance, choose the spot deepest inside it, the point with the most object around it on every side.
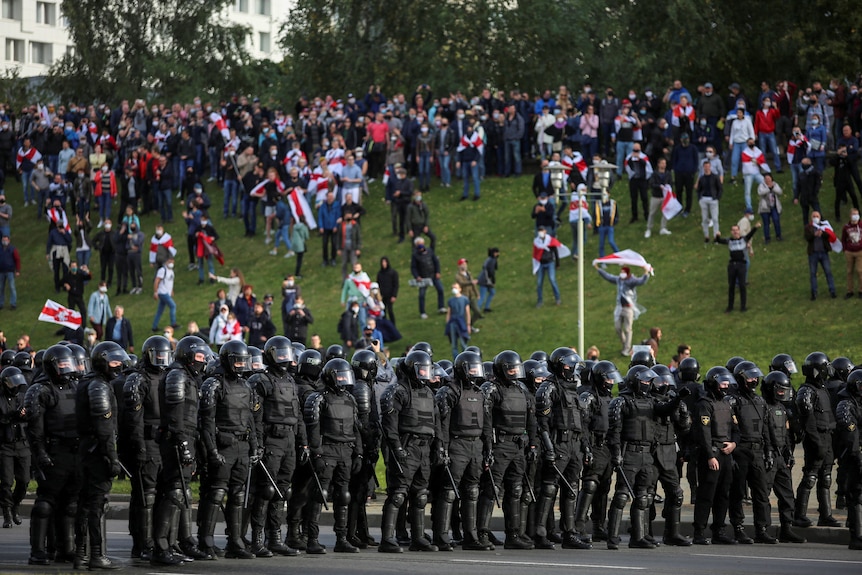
(581, 256)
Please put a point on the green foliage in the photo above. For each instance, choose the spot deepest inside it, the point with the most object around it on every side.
(15, 91)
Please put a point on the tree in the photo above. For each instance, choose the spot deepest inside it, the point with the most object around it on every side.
(128, 48)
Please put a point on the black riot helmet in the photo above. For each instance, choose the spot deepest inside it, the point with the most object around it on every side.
(642, 357)
(364, 365)
(639, 380)
(133, 361)
(854, 384)
(157, 352)
(109, 359)
(418, 367)
(7, 357)
(12, 379)
(59, 364)
(337, 375)
(689, 369)
(234, 357)
(603, 377)
(537, 372)
(664, 383)
(508, 367)
(23, 361)
(540, 355)
(37, 359)
(776, 386)
(256, 364)
(474, 349)
(336, 350)
(423, 346)
(488, 370)
(446, 364)
(841, 367)
(565, 364)
(82, 360)
(298, 347)
(438, 376)
(815, 368)
(278, 353)
(468, 369)
(783, 362)
(733, 362)
(747, 376)
(193, 353)
(717, 381)
(586, 372)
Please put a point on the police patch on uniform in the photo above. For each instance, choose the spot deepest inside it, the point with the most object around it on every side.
(107, 415)
(704, 419)
(736, 421)
(138, 407)
(256, 407)
(851, 427)
(546, 411)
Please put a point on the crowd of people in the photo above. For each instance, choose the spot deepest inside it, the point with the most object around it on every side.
(281, 430)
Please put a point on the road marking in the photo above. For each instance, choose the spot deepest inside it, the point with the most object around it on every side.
(775, 558)
(532, 564)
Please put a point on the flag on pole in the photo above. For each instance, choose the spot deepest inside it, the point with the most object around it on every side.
(541, 245)
(670, 206)
(52, 312)
(300, 209)
(626, 258)
(220, 125)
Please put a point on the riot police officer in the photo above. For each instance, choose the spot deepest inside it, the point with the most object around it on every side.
(52, 430)
(688, 377)
(410, 422)
(365, 365)
(849, 420)
(841, 368)
(465, 435)
(562, 427)
(24, 361)
(668, 429)
(513, 419)
(95, 408)
(642, 357)
(140, 422)
(818, 420)
(14, 450)
(227, 409)
(279, 435)
(332, 423)
(595, 396)
(784, 363)
(715, 434)
(776, 390)
(177, 440)
(536, 372)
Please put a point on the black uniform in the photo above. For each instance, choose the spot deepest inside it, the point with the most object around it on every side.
(596, 480)
(849, 420)
(668, 429)
(14, 452)
(360, 483)
(818, 421)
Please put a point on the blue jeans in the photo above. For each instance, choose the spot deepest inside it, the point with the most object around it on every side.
(623, 151)
(486, 294)
(480, 163)
(469, 172)
(775, 218)
(214, 163)
(424, 170)
(231, 189)
(438, 285)
(748, 179)
(513, 157)
(575, 246)
(823, 259)
(735, 157)
(249, 214)
(589, 148)
(83, 257)
(551, 270)
(210, 266)
(8, 277)
(53, 161)
(606, 232)
(795, 170)
(165, 300)
(445, 169)
(283, 234)
(767, 143)
(606, 130)
(458, 343)
(26, 176)
(166, 210)
(105, 206)
(185, 165)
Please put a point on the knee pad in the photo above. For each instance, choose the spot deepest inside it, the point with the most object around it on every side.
(472, 493)
(642, 502)
(549, 490)
(448, 495)
(397, 499)
(286, 491)
(590, 487)
(677, 497)
(570, 495)
(42, 509)
(149, 499)
(420, 498)
(216, 496)
(808, 481)
(71, 509)
(266, 492)
(175, 496)
(516, 491)
(341, 497)
(620, 499)
(826, 480)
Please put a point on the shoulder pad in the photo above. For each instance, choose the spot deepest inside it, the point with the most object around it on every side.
(445, 397)
(846, 415)
(311, 411)
(261, 383)
(387, 399)
(732, 401)
(489, 388)
(133, 396)
(32, 401)
(209, 389)
(99, 395)
(615, 409)
(588, 400)
(545, 397)
(361, 393)
(805, 400)
(175, 386)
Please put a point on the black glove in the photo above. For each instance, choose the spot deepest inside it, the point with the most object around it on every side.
(43, 460)
(617, 460)
(532, 453)
(113, 467)
(356, 465)
(371, 457)
(548, 455)
(443, 456)
(318, 463)
(142, 457)
(254, 456)
(186, 455)
(216, 458)
(488, 460)
(304, 454)
(401, 455)
(768, 460)
(588, 457)
(684, 392)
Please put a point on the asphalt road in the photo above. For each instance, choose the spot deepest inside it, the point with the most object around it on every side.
(779, 559)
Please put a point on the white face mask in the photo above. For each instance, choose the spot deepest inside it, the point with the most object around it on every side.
(424, 130)
(854, 218)
(624, 275)
(170, 266)
(750, 217)
(103, 289)
(542, 235)
(605, 196)
(456, 292)
(815, 221)
(543, 202)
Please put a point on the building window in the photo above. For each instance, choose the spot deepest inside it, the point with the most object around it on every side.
(10, 10)
(263, 43)
(263, 7)
(46, 13)
(40, 53)
(241, 6)
(14, 50)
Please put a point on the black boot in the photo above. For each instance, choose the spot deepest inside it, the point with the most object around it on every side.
(571, 540)
(275, 544)
(342, 545)
(16, 517)
(165, 518)
(257, 517)
(98, 559)
(388, 543)
(585, 501)
(512, 521)
(615, 517)
(788, 535)
(720, 537)
(854, 519)
(543, 509)
(418, 541)
(471, 540)
(484, 510)
(206, 527)
(637, 540)
(762, 536)
(258, 548)
(672, 535)
(441, 518)
(700, 538)
(800, 517)
(294, 536)
(235, 548)
(38, 537)
(824, 506)
(401, 533)
(362, 532)
(7, 518)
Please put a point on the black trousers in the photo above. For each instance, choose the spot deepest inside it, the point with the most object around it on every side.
(106, 263)
(330, 246)
(14, 471)
(638, 191)
(601, 471)
(122, 272)
(779, 480)
(684, 185)
(97, 483)
(736, 276)
(713, 491)
(279, 458)
(749, 469)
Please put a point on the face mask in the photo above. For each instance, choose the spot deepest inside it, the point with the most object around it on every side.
(456, 292)
(460, 116)
(289, 283)
(103, 289)
(751, 146)
(6, 242)
(170, 266)
(815, 122)
(424, 130)
(541, 235)
(39, 166)
(354, 310)
(73, 270)
(750, 217)
(543, 202)
(438, 123)
(417, 199)
(815, 221)
(80, 174)
(134, 228)
(605, 196)
(160, 233)
(2, 200)
(703, 122)
(632, 96)
(710, 155)
(107, 227)
(853, 218)
(394, 138)
(104, 169)
(204, 222)
(624, 275)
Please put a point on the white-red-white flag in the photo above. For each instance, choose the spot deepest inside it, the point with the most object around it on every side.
(53, 312)
(670, 206)
(220, 125)
(259, 190)
(625, 258)
(473, 141)
(33, 155)
(833, 239)
(541, 245)
(300, 209)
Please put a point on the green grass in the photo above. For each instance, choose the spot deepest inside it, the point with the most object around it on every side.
(686, 298)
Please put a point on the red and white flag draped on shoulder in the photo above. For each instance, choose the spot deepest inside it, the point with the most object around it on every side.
(300, 209)
(52, 312)
(545, 244)
(472, 141)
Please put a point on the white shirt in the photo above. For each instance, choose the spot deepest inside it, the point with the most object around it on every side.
(166, 285)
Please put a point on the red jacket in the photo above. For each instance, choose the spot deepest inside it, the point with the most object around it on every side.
(97, 182)
(765, 121)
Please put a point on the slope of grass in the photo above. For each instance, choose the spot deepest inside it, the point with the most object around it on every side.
(686, 298)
